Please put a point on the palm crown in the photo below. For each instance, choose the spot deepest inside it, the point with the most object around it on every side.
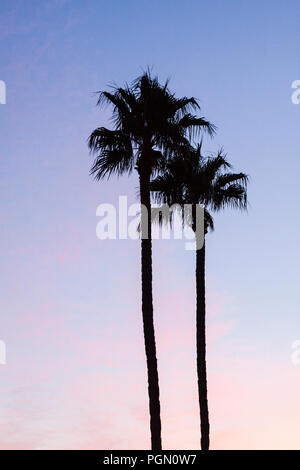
(149, 122)
(195, 179)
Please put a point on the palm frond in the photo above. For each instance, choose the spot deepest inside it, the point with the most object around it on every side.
(194, 125)
(111, 162)
(209, 221)
(212, 166)
(114, 153)
(227, 178)
(234, 196)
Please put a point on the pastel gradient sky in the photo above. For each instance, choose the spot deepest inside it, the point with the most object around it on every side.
(70, 304)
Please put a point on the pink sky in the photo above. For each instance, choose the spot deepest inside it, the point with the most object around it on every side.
(73, 389)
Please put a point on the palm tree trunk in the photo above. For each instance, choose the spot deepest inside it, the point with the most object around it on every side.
(201, 347)
(147, 312)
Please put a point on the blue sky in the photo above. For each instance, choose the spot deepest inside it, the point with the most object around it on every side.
(240, 59)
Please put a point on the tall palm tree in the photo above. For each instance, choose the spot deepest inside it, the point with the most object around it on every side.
(194, 179)
(149, 125)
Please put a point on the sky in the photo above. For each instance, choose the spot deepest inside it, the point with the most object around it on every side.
(75, 374)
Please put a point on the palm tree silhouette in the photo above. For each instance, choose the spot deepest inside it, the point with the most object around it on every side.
(149, 125)
(193, 179)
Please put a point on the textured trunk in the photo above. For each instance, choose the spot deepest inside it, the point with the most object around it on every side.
(147, 312)
(201, 347)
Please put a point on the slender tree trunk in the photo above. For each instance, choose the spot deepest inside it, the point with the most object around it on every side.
(201, 347)
(147, 312)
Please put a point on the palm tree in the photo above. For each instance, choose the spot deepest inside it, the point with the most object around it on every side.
(149, 125)
(194, 179)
